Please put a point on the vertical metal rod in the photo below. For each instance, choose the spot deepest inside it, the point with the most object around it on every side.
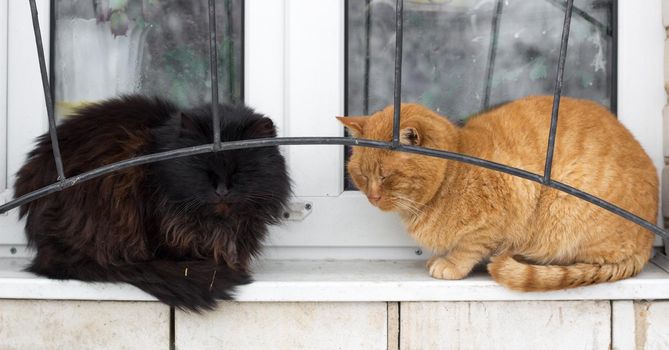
(47, 93)
(397, 98)
(558, 92)
(494, 33)
(368, 32)
(562, 5)
(230, 51)
(613, 16)
(213, 67)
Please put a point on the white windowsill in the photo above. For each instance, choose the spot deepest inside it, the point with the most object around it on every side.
(348, 280)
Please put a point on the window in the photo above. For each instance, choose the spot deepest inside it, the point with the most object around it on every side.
(461, 58)
(156, 48)
(311, 77)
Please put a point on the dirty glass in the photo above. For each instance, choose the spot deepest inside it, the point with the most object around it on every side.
(448, 53)
(461, 57)
(104, 48)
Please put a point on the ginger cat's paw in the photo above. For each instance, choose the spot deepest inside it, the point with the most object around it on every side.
(441, 268)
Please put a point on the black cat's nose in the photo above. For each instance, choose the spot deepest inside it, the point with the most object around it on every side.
(221, 190)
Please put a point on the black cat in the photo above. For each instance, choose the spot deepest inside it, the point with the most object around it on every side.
(183, 230)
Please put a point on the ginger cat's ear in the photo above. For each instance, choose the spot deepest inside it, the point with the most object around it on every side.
(409, 136)
(354, 125)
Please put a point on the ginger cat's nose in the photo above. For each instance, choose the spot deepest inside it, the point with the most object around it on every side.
(374, 198)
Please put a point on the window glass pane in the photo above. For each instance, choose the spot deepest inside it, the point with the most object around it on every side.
(448, 53)
(103, 48)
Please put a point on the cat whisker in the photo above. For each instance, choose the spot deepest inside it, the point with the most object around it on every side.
(407, 205)
(406, 199)
(264, 196)
(187, 206)
(402, 206)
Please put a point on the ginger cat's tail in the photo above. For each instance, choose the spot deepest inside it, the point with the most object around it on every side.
(525, 277)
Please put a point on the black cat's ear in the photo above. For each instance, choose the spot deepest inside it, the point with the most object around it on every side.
(262, 128)
(186, 122)
(409, 136)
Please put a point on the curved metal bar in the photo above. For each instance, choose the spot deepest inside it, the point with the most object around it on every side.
(492, 52)
(47, 92)
(562, 5)
(213, 70)
(226, 146)
(230, 51)
(562, 187)
(367, 61)
(397, 98)
(558, 91)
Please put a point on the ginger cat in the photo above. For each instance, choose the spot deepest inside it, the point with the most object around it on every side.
(537, 238)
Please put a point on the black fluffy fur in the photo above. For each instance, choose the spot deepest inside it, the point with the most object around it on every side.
(183, 230)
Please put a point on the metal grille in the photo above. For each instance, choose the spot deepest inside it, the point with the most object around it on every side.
(544, 179)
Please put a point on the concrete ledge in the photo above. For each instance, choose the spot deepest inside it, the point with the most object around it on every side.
(58, 324)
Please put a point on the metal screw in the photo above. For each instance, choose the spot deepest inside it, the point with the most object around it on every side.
(12, 250)
(286, 215)
(307, 206)
(419, 251)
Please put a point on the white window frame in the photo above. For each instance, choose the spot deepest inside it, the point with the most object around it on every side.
(23, 117)
(294, 72)
(3, 96)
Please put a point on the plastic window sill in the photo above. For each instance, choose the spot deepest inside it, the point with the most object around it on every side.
(343, 280)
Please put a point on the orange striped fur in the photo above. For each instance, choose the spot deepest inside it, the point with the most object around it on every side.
(537, 238)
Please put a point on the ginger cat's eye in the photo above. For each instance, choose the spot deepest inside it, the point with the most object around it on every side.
(362, 177)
